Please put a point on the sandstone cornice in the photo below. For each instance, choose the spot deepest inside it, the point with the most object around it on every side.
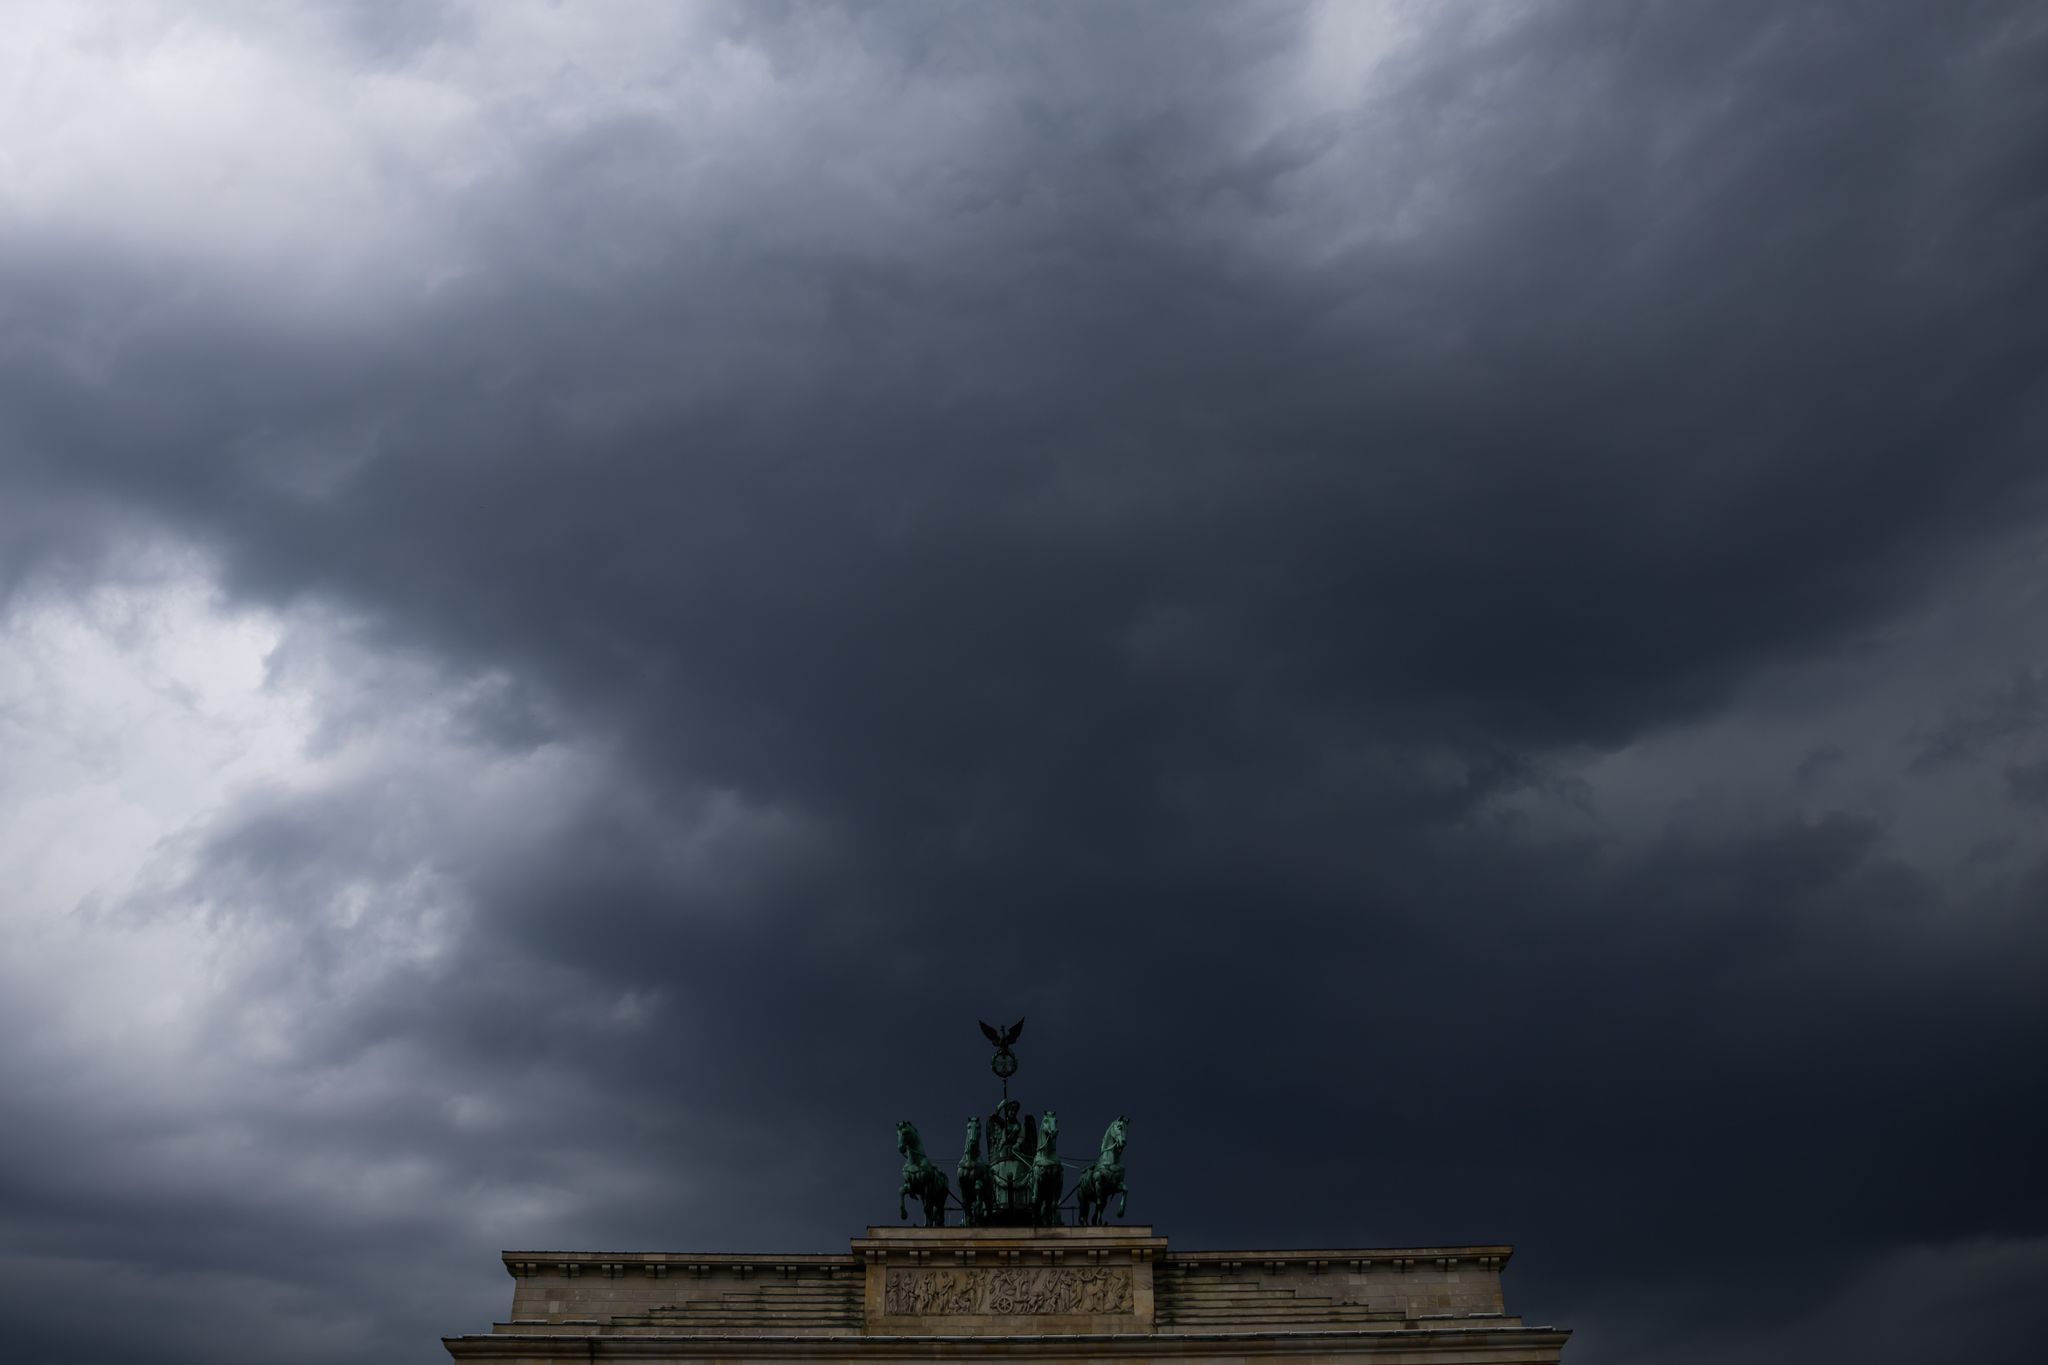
(1491, 1256)
(1012, 1246)
(1436, 1345)
(575, 1264)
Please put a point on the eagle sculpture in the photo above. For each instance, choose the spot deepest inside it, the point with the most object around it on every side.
(1002, 1037)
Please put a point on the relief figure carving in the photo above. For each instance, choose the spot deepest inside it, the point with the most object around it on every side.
(1049, 1290)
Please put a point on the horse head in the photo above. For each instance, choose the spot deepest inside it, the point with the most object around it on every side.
(1113, 1139)
(1049, 1132)
(972, 1151)
(906, 1138)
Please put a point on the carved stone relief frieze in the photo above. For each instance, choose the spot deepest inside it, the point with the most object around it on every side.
(1049, 1291)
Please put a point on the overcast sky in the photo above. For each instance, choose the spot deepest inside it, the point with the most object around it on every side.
(1451, 599)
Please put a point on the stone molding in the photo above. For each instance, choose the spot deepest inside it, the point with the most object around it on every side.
(1436, 1345)
(570, 1265)
(1491, 1256)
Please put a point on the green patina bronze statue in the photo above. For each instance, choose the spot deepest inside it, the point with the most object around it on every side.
(1004, 1063)
(1048, 1176)
(1012, 1143)
(977, 1185)
(922, 1181)
(1104, 1178)
(1023, 1182)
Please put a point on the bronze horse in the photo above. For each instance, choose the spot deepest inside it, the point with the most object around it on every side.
(1048, 1176)
(977, 1181)
(921, 1180)
(1104, 1178)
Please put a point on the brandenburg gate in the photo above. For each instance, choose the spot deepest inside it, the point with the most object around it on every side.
(1032, 1270)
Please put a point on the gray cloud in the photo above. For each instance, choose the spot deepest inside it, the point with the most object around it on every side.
(1463, 565)
(2028, 783)
(2004, 715)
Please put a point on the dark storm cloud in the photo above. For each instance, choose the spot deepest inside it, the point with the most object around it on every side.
(2003, 715)
(1056, 506)
(2028, 783)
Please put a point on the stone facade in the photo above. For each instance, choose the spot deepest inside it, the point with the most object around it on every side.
(1114, 1294)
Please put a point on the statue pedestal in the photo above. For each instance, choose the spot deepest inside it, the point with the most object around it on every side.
(1007, 1281)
